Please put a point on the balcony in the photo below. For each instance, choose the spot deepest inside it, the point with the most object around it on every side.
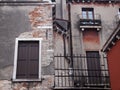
(86, 73)
(94, 22)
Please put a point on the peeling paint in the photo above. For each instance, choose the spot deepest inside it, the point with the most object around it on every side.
(41, 16)
(46, 84)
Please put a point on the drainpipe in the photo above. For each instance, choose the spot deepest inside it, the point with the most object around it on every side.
(70, 36)
(64, 45)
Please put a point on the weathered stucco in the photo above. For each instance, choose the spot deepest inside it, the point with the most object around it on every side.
(14, 21)
(25, 22)
(46, 84)
(36, 22)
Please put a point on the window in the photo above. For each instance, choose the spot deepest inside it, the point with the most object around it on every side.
(27, 63)
(53, 0)
(87, 13)
(68, 1)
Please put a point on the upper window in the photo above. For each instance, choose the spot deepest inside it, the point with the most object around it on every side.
(53, 0)
(87, 13)
(119, 11)
(27, 65)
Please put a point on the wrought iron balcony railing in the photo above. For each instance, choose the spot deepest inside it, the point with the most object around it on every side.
(87, 73)
(94, 20)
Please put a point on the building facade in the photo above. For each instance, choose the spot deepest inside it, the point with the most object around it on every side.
(111, 48)
(91, 23)
(55, 44)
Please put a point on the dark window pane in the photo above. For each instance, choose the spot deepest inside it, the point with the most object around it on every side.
(28, 59)
(87, 13)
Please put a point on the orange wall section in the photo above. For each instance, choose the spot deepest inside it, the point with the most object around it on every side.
(91, 39)
(114, 66)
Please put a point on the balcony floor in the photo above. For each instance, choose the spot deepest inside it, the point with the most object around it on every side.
(82, 88)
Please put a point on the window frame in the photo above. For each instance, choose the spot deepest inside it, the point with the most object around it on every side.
(16, 58)
(88, 11)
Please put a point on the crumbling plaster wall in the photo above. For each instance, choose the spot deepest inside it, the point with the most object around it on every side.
(46, 84)
(107, 12)
(25, 22)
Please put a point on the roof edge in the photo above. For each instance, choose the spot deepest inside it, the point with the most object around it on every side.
(110, 39)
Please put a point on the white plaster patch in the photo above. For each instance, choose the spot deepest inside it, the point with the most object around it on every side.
(50, 50)
(23, 88)
(26, 34)
(5, 85)
(44, 26)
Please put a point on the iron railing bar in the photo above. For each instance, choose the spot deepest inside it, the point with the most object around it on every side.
(83, 75)
(79, 66)
(79, 56)
(81, 69)
(97, 71)
(58, 71)
(78, 76)
(105, 59)
(61, 72)
(65, 70)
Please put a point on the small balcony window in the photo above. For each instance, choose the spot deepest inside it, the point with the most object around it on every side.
(87, 13)
(88, 19)
(53, 0)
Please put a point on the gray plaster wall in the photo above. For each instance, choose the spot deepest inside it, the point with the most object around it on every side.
(13, 22)
(107, 12)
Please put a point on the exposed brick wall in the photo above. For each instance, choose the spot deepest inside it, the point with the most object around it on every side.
(41, 16)
(41, 22)
(46, 84)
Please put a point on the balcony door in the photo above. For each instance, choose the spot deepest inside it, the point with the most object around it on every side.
(93, 65)
(88, 13)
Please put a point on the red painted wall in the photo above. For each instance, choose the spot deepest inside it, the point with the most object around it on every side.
(114, 66)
